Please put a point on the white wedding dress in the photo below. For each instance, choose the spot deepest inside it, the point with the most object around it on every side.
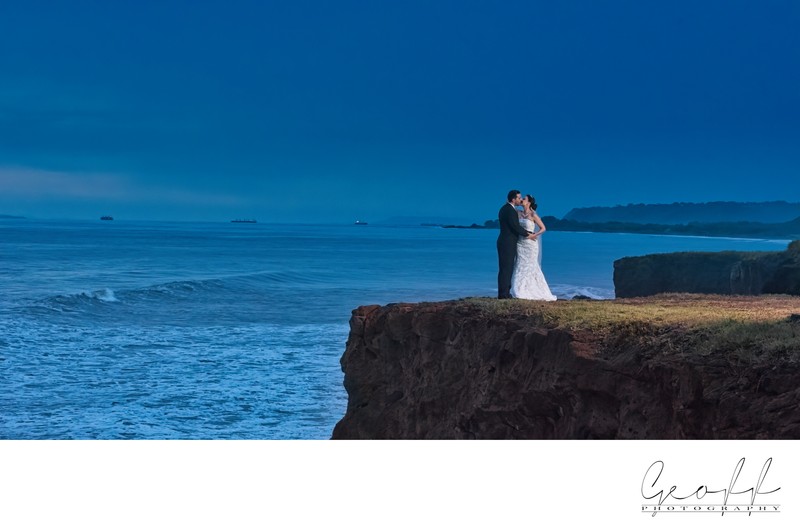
(527, 281)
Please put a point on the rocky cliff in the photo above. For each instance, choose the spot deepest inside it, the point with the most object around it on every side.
(677, 367)
(727, 272)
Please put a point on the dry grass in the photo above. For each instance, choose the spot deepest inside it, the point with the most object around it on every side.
(750, 329)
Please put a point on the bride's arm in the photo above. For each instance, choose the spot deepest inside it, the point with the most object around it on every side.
(538, 221)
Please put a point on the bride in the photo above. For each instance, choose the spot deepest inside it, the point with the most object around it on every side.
(527, 281)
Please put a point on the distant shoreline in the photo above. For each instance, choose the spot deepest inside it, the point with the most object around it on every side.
(741, 230)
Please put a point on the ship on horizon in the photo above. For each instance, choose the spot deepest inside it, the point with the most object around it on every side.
(244, 221)
(107, 218)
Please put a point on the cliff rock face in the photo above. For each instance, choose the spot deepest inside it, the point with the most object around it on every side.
(726, 272)
(448, 371)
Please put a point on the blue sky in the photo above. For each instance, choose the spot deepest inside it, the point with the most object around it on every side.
(300, 111)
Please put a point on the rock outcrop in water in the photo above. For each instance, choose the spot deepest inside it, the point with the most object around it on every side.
(574, 369)
(726, 272)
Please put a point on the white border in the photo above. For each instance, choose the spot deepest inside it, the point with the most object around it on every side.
(377, 485)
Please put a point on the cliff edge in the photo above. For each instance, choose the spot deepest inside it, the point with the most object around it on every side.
(724, 272)
(668, 367)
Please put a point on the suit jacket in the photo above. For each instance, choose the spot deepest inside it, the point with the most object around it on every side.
(510, 229)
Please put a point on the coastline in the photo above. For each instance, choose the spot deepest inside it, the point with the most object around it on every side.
(772, 238)
(782, 240)
(789, 229)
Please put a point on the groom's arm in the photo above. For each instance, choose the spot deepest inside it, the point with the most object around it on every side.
(513, 222)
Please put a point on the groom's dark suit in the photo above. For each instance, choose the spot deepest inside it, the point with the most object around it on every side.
(510, 231)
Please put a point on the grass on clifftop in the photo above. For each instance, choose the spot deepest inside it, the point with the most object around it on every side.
(750, 328)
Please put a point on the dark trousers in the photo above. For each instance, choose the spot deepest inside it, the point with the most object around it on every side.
(507, 254)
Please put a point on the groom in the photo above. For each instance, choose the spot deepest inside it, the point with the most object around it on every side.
(510, 231)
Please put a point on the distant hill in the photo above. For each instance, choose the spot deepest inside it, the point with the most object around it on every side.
(789, 230)
(684, 213)
(8, 216)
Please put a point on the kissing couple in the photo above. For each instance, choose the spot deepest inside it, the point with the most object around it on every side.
(519, 251)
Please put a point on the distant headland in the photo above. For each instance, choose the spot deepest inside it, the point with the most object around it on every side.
(9, 217)
(686, 213)
(723, 219)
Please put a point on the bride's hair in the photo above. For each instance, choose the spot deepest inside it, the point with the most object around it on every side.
(532, 200)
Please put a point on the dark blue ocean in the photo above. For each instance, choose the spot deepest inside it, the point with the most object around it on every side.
(155, 330)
